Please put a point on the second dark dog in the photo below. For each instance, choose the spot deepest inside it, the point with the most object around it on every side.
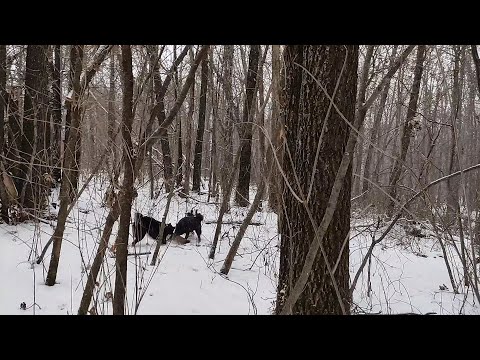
(146, 224)
(189, 224)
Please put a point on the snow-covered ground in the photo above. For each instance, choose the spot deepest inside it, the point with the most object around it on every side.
(185, 281)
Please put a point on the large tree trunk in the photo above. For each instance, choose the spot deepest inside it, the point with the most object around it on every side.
(76, 57)
(408, 127)
(305, 109)
(243, 186)
(197, 160)
(121, 243)
(32, 150)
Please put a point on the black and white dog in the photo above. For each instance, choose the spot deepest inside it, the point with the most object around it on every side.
(146, 224)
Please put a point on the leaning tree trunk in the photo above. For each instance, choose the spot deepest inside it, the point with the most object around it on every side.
(76, 57)
(242, 193)
(34, 118)
(408, 127)
(121, 243)
(197, 160)
(305, 109)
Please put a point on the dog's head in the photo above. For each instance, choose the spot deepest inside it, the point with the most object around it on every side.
(169, 229)
(199, 216)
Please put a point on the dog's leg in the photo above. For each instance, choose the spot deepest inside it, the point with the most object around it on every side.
(199, 232)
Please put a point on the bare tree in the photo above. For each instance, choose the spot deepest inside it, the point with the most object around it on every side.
(32, 150)
(76, 58)
(408, 127)
(243, 187)
(3, 95)
(121, 242)
(197, 161)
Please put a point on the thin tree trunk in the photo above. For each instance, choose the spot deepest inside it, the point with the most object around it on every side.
(90, 72)
(231, 116)
(111, 143)
(376, 126)
(76, 58)
(274, 197)
(121, 242)
(225, 204)
(97, 262)
(243, 186)
(114, 212)
(227, 264)
(57, 113)
(3, 95)
(197, 161)
(188, 143)
(362, 90)
(179, 160)
(408, 127)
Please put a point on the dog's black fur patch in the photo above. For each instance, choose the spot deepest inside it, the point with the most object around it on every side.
(189, 224)
(146, 224)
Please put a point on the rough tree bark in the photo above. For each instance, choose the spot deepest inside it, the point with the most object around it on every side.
(35, 106)
(306, 107)
(243, 186)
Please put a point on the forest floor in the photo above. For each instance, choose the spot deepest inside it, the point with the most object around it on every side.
(407, 274)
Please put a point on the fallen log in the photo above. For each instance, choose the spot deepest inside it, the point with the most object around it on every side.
(234, 222)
